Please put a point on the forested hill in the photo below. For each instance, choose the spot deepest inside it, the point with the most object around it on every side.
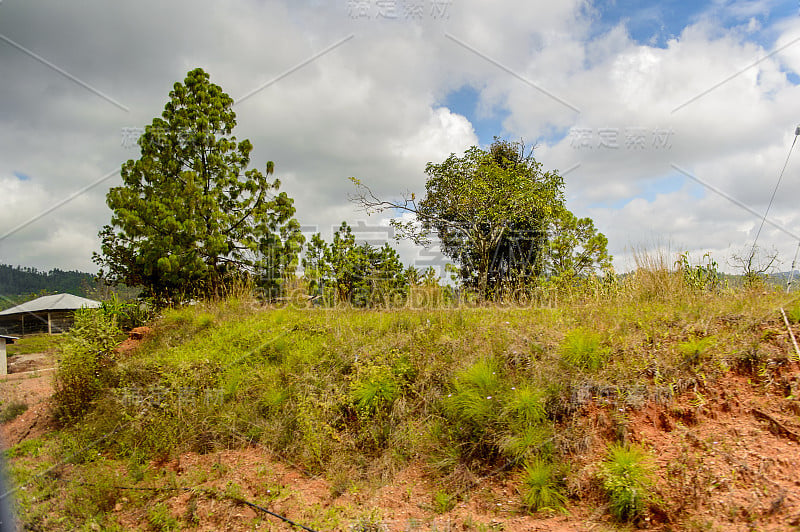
(18, 283)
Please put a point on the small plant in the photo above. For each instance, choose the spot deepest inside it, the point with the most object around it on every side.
(694, 349)
(700, 276)
(475, 400)
(443, 502)
(160, 519)
(369, 522)
(13, 410)
(583, 349)
(627, 480)
(541, 490)
(374, 389)
(793, 313)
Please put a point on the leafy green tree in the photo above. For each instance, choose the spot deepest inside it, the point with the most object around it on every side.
(496, 212)
(358, 274)
(575, 249)
(190, 218)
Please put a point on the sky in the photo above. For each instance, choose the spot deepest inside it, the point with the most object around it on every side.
(671, 122)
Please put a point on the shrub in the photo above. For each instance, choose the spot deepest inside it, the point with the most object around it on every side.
(525, 415)
(541, 488)
(474, 401)
(627, 479)
(87, 354)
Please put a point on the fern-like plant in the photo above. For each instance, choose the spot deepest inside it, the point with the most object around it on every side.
(694, 349)
(541, 489)
(475, 400)
(374, 389)
(583, 349)
(627, 476)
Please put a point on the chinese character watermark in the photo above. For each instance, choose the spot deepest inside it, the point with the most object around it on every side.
(399, 9)
(613, 138)
(130, 136)
(160, 396)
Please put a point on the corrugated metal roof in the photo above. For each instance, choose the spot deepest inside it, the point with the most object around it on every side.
(55, 302)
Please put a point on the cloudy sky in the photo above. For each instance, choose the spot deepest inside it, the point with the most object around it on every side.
(670, 121)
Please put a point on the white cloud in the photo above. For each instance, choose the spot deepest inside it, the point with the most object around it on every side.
(369, 108)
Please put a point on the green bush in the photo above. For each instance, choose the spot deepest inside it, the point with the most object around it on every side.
(627, 476)
(475, 400)
(87, 354)
(541, 487)
(526, 419)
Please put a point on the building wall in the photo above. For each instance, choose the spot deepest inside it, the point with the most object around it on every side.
(3, 359)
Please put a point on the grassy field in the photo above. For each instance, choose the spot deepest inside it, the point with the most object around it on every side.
(358, 395)
(34, 343)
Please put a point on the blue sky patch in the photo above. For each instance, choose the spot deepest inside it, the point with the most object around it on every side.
(465, 101)
(654, 24)
(21, 176)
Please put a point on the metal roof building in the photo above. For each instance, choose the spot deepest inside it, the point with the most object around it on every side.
(45, 314)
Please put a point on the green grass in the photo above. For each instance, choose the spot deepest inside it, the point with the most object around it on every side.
(35, 343)
(320, 385)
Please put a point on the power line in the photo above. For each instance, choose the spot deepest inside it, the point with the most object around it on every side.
(210, 492)
(772, 199)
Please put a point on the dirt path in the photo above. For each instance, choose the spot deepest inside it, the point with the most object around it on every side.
(33, 388)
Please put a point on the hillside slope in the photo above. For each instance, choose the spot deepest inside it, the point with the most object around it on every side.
(433, 419)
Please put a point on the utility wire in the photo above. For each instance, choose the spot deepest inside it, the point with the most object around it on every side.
(791, 274)
(780, 176)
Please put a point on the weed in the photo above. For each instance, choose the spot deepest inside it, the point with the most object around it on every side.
(541, 488)
(31, 448)
(159, 517)
(627, 479)
(370, 521)
(443, 502)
